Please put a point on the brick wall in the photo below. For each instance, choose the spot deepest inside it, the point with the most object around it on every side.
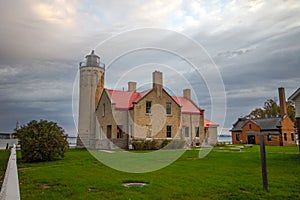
(288, 128)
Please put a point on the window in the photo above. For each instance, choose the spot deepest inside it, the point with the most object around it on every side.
(103, 110)
(187, 132)
(237, 137)
(119, 131)
(269, 138)
(108, 131)
(197, 131)
(148, 131)
(285, 137)
(148, 107)
(292, 137)
(250, 126)
(169, 131)
(168, 108)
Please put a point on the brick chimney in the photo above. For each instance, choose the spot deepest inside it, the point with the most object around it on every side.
(157, 83)
(131, 86)
(282, 101)
(187, 93)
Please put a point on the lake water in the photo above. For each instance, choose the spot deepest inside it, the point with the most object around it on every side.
(225, 138)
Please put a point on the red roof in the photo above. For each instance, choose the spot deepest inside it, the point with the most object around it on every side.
(188, 107)
(208, 123)
(124, 100)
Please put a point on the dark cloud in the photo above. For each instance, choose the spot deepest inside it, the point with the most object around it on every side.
(255, 46)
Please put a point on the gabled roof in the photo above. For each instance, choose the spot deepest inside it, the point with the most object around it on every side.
(187, 106)
(124, 99)
(208, 124)
(295, 95)
(263, 123)
(269, 123)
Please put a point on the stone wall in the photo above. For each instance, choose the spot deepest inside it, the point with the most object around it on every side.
(191, 121)
(158, 120)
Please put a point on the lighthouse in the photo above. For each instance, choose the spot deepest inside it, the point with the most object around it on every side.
(91, 85)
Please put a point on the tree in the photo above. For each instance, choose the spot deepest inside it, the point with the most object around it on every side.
(272, 109)
(42, 141)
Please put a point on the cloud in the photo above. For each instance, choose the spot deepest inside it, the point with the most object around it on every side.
(254, 44)
(234, 53)
(6, 72)
(157, 13)
(60, 12)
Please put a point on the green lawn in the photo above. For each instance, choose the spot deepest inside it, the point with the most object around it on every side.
(4, 155)
(223, 174)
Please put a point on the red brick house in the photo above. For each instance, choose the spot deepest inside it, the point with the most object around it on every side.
(279, 131)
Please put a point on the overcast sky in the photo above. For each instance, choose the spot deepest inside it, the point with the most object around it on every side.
(253, 45)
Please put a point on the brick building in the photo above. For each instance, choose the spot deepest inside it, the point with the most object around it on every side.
(121, 117)
(279, 131)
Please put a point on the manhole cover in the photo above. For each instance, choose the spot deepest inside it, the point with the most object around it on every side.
(134, 184)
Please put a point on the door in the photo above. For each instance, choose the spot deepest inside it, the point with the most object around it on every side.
(280, 140)
(108, 131)
(251, 139)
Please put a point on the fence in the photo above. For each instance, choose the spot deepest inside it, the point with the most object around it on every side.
(10, 187)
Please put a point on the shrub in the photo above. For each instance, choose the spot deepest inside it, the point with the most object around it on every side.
(154, 145)
(138, 145)
(220, 144)
(165, 143)
(145, 145)
(42, 141)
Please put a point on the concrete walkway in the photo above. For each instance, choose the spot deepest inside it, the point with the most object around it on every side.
(10, 187)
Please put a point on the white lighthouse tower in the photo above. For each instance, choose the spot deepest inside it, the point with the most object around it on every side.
(91, 86)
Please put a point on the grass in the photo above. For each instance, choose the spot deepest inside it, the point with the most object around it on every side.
(4, 155)
(223, 174)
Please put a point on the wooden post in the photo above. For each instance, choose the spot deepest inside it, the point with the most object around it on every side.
(263, 163)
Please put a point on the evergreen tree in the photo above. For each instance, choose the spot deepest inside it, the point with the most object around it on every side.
(42, 141)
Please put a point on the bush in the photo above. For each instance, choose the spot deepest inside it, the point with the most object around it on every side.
(138, 145)
(42, 141)
(220, 144)
(165, 143)
(145, 145)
